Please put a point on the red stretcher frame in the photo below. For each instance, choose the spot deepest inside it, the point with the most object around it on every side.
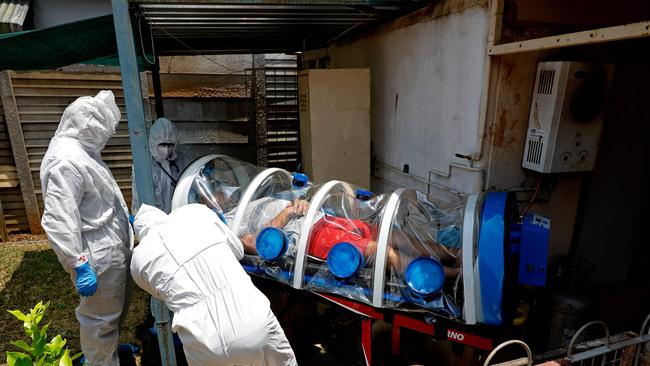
(450, 331)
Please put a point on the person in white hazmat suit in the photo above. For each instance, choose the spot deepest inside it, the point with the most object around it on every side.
(86, 222)
(190, 260)
(167, 166)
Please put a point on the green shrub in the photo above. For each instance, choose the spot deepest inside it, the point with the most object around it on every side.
(39, 352)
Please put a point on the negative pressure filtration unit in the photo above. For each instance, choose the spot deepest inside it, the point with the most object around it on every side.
(455, 256)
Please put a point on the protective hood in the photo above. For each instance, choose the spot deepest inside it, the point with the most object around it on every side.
(90, 120)
(148, 217)
(163, 132)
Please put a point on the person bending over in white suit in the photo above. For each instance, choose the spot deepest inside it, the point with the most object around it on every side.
(190, 260)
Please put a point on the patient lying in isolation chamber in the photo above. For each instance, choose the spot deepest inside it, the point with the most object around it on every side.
(330, 230)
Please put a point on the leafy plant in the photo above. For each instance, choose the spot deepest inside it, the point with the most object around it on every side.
(39, 353)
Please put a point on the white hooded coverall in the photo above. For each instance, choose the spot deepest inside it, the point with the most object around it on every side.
(189, 260)
(167, 164)
(86, 219)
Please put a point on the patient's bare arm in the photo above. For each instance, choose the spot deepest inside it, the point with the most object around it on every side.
(294, 209)
(394, 257)
(248, 241)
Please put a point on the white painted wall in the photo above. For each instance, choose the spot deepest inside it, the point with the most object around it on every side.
(427, 82)
(48, 13)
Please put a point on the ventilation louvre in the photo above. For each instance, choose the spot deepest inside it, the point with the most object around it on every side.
(546, 78)
(535, 151)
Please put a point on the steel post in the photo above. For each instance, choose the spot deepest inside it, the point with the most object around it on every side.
(139, 149)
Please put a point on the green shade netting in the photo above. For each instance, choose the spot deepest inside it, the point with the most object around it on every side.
(90, 41)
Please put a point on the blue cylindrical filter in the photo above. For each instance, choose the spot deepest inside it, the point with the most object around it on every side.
(424, 276)
(344, 260)
(271, 243)
(299, 180)
(364, 195)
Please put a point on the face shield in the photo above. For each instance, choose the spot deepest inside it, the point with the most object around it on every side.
(225, 196)
(214, 193)
(228, 191)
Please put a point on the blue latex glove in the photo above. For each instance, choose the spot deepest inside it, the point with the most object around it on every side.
(86, 280)
(128, 348)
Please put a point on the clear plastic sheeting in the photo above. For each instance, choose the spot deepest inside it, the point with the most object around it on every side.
(341, 242)
(403, 250)
(423, 253)
(216, 181)
(269, 222)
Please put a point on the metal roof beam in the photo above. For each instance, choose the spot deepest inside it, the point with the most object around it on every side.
(268, 13)
(230, 26)
(239, 7)
(259, 19)
(198, 3)
(246, 23)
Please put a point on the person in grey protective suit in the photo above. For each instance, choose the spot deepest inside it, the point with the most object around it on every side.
(167, 165)
(86, 221)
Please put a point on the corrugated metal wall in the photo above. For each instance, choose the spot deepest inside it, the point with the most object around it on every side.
(41, 98)
(282, 124)
(223, 124)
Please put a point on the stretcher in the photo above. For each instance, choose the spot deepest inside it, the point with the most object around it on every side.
(442, 264)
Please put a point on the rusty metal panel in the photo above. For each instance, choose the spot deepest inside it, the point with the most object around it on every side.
(206, 133)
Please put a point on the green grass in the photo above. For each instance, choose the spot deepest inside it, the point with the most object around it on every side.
(30, 273)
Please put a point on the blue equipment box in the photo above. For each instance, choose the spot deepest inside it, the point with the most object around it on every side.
(533, 255)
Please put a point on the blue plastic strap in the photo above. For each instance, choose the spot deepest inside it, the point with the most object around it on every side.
(491, 256)
(221, 216)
